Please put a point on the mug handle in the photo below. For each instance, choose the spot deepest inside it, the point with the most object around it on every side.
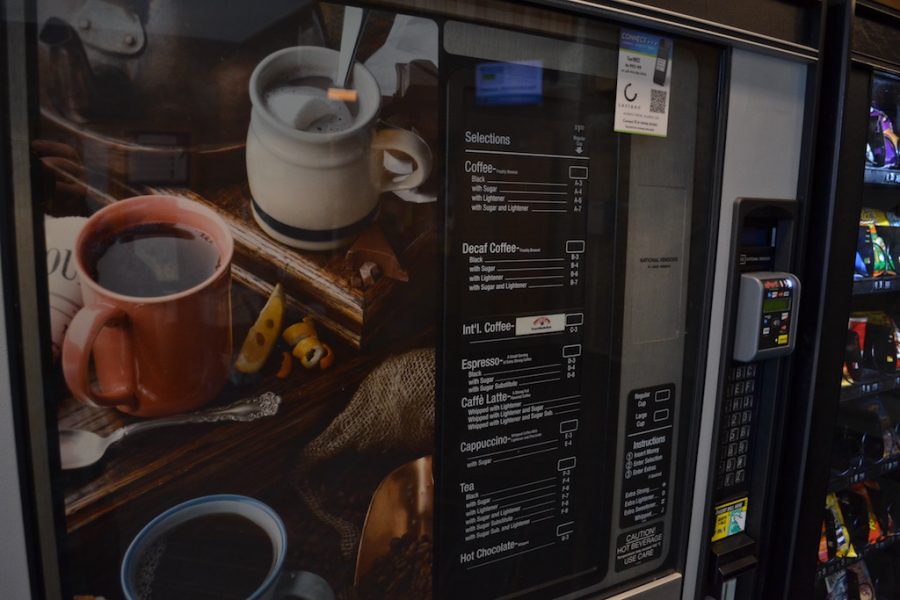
(78, 346)
(303, 585)
(407, 142)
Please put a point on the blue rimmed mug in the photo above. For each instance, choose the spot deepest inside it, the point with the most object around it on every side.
(277, 584)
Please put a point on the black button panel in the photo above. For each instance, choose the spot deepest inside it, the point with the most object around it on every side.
(736, 426)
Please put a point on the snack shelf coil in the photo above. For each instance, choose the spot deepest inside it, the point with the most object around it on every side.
(870, 387)
(876, 285)
(863, 472)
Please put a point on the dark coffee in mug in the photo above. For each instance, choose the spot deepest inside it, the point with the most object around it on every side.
(153, 259)
(213, 556)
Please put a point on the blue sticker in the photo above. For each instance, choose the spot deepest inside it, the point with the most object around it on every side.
(641, 42)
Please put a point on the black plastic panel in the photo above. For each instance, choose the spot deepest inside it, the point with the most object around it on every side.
(793, 21)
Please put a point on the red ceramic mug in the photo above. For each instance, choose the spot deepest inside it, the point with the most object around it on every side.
(152, 355)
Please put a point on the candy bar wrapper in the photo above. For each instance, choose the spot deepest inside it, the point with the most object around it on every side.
(864, 581)
(844, 547)
(836, 584)
(875, 532)
(846, 378)
(889, 439)
(823, 545)
(881, 512)
(874, 216)
(858, 324)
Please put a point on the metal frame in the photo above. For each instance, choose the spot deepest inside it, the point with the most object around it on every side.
(27, 322)
(838, 185)
(691, 26)
(825, 302)
(719, 349)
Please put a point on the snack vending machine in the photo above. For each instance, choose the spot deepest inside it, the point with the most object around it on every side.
(402, 299)
(844, 523)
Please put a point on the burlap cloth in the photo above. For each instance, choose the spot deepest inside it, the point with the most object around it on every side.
(391, 413)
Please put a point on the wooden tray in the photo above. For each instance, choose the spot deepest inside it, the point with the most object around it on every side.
(167, 465)
(321, 282)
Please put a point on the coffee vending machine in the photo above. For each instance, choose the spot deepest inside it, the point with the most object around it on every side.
(402, 299)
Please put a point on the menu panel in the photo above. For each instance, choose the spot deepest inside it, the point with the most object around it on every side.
(648, 453)
(526, 356)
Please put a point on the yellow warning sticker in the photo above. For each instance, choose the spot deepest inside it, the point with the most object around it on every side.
(731, 518)
(782, 339)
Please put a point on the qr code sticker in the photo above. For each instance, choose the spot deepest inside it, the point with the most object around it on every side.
(658, 101)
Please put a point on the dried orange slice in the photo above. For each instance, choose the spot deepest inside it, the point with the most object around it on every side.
(298, 331)
(262, 336)
(309, 351)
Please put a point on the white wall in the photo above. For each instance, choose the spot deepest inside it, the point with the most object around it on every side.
(13, 563)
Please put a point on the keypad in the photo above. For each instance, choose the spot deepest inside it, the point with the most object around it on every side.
(737, 420)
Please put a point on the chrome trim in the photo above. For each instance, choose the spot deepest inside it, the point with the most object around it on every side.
(658, 589)
(878, 64)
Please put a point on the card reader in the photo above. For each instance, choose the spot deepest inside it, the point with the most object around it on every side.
(767, 315)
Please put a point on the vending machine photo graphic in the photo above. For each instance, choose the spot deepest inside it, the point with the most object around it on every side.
(410, 300)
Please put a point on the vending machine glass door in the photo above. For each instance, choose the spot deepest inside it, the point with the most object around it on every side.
(395, 301)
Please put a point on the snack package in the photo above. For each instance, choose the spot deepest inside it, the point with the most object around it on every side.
(836, 584)
(874, 251)
(893, 218)
(879, 508)
(878, 340)
(853, 356)
(873, 216)
(864, 585)
(856, 518)
(843, 545)
(889, 497)
(881, 141)
(823, 545)
(875, 532)
(857, 324)
(889, 438)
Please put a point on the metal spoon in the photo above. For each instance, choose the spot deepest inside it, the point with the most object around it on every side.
(354, 20)
(79, 448)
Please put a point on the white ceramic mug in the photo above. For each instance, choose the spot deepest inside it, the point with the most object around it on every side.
(317, 191)
(278, 583)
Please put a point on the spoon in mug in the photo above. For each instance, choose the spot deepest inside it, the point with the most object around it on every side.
(79, 448)
(354, 21)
